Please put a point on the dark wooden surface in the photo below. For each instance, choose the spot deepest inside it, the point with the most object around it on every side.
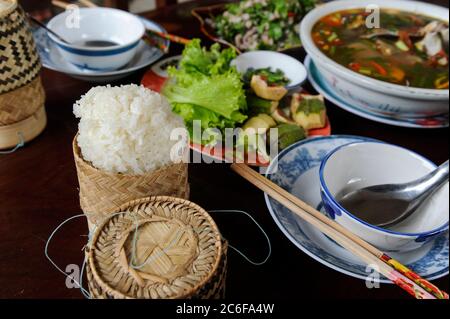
(38, 190)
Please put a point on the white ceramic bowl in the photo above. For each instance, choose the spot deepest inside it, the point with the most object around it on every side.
(377, 96)
(293, 69)
(95, 24)
(363, 164)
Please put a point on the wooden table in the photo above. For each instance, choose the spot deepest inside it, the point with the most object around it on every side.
(38, 190)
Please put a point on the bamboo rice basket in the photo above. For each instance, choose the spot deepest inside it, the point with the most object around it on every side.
(22, 97)
(178, 253)
(102, 193)
(20, 62)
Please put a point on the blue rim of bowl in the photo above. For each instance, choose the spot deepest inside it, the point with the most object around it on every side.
(90, 53)
(290, 86)
(383, 230)
(284, 152)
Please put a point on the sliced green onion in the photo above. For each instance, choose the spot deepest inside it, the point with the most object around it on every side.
(401, 45)
(365, 71)
(332, 37)
(332, 50)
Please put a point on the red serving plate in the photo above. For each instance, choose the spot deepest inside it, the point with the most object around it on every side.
(155, 78)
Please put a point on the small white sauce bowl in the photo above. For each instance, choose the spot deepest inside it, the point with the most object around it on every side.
(376, 96)
(293, 69)
(96, 24)
(363, 164)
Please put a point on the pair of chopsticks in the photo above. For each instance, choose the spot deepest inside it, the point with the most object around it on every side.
(174, 38)
(385, 265)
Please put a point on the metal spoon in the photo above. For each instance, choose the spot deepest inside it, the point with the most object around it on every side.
(387, 205)
(39, 23)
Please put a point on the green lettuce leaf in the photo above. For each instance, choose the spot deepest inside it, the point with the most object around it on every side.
(206, 88)
(222, 94)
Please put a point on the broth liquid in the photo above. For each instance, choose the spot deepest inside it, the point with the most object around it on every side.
(373, 212)
(97, 43)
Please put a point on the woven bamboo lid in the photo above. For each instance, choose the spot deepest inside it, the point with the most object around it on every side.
(7, 6)
(174, 253)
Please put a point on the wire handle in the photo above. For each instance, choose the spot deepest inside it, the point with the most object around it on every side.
(19, 145)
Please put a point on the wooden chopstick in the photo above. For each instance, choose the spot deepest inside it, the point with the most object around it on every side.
(61, 4)
(88, 3)
(170, 37)
(152, 42)
(394, 271)
(65, 5)
(167, 36)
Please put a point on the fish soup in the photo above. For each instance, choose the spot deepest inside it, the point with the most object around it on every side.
(408, 49)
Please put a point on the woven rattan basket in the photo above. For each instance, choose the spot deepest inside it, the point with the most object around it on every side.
(19, 60)
(102, 193)
(22, 97)
(177, 242)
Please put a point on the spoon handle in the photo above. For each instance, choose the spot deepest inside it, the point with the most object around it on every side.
(429, 183)
(39, 23)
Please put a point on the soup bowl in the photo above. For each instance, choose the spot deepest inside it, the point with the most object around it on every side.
(374, 95)
(122, 29)
(363, 164)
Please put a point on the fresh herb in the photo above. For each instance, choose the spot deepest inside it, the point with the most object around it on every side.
(311, 106)
(289, 134)
(268, 24)
(273, 78)
(257, 105)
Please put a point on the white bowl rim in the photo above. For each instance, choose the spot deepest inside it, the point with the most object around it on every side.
(130, 42)
(278, 55)
(327, 192)
(381, 86)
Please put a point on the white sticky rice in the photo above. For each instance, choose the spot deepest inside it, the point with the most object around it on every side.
(126, 129)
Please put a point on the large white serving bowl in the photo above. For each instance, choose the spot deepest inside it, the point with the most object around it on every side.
(377, 96)
(363, 164)
(94, 24)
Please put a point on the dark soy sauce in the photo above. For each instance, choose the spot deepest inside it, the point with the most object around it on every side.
(97, 43)
(375, 212)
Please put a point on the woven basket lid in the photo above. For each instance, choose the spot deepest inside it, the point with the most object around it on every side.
(175, 251)
(7, 6)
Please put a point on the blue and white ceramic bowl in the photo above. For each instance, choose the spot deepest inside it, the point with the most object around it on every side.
(52, 58)
(363, 164)
(296, 169)
(97, 24)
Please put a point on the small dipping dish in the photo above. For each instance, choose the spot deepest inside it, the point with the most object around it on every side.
(101, 39)
(293, 69)
(359, 165)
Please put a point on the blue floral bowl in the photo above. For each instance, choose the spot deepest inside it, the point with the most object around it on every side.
(363, 164)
